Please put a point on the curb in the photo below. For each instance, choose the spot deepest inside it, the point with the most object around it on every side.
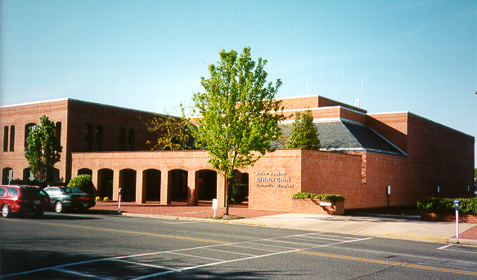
(462, 241)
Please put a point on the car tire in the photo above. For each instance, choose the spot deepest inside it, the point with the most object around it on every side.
(6, 213)
(58, 207)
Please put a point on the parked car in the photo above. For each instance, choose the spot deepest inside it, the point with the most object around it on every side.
(67, 198)
(23, 199)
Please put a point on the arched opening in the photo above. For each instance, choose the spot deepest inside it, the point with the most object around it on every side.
(178, 179)
(7, 176)
(152, 179)
(28, 128)
(53, 175)
(207, 184)
(240, 187)
(128, 184)
(86, 171)
(27, 175)
(105, 183)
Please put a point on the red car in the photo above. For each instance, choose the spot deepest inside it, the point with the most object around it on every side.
(23, 199)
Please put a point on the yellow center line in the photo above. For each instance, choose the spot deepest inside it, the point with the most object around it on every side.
(450, 270)
(129, 232)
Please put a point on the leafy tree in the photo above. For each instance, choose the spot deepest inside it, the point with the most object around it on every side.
(237, 116)
(304, 134)
(172, 133)
(43, 148)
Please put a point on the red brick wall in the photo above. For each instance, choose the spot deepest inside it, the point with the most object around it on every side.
(444, 157)
(19, 116)
(333, 173)
(274, 179)
(392, 126)
(111, 119)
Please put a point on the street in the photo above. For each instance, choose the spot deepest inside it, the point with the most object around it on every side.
(95, 246)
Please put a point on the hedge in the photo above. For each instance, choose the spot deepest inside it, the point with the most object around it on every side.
(324, 197)
(446, 205)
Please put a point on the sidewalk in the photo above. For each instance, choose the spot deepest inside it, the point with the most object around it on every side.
(391, 226)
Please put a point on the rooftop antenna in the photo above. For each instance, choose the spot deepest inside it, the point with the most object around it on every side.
(362, 93)
(343, 88)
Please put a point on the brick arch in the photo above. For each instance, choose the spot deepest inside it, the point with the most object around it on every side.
(83, 171)
(6, 178)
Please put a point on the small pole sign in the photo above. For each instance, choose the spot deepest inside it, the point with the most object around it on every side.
(214, 205)
(119, 201)
(456, 203)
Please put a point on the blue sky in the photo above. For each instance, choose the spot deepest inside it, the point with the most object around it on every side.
(417, 56)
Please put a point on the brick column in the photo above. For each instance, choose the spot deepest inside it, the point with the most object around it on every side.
(192, 188)
(96, 179)
(117, 183)
(220, 190)
(141, 178)
(165, 188)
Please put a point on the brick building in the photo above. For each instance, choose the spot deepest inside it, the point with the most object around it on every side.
(373, 160)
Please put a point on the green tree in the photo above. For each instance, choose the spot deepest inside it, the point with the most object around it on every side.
(43, 148)
(304, 134)
(172, 133)
(237, 116)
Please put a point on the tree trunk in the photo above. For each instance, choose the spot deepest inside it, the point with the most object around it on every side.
(228, 183)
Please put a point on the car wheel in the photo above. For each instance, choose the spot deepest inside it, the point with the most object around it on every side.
(58, 207)
(6, 211)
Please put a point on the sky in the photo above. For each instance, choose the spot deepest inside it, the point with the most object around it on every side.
(416, 56)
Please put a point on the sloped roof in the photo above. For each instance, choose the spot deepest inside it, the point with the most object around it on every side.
(348, 136)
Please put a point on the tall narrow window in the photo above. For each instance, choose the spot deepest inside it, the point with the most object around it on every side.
(88, 138)
(131, 139)
(122, 139)
(28, 128)
(98, 143)
(5, 138)
(58, 130)
(12, 138)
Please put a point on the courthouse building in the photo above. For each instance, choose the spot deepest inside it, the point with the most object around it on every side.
(373, 160)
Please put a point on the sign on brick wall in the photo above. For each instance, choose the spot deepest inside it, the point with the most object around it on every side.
(267, 179)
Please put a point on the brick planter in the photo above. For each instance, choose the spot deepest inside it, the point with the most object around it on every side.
(312, 206)
(449, 217)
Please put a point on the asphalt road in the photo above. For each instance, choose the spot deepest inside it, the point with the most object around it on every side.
(87, 246)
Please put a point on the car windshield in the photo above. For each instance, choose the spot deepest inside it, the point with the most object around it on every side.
(72, 190)
(33, 193)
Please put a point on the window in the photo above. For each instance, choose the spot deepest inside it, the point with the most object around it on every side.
(131, 140)
(88, 138)
(12, 138)
(2, 191)
(5, 139)
(13, 192)
(58, 131)
(28, 129)
(122, 139)
(98, 143)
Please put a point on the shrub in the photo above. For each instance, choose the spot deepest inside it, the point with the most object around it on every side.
(323, 197)
(446, 205)
(98, 198)
(82, 182)
(238, 193)
(106, 198)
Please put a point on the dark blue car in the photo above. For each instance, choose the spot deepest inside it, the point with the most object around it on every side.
(63, 198)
